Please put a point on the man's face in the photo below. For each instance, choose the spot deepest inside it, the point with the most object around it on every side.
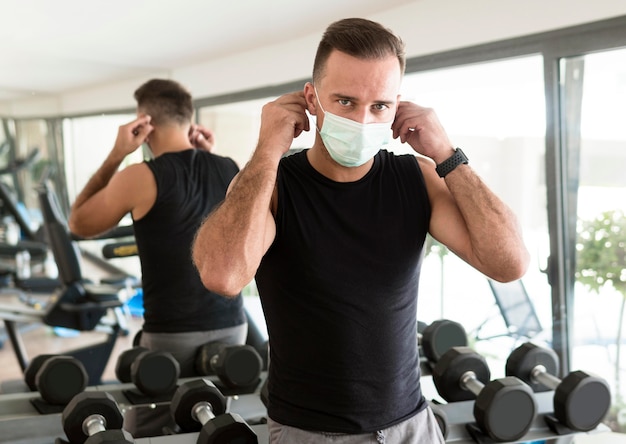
(366, 91)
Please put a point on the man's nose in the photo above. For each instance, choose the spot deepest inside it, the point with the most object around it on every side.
(364, 115)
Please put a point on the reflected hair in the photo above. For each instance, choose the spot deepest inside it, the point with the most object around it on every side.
(360, 38)
(166, 101)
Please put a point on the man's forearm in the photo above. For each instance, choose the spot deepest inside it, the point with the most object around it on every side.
(231, 242)
(99, 180)
(494, 231)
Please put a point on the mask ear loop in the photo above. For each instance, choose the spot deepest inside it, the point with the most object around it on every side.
(317, 97)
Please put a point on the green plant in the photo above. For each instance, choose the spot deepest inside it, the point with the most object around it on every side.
(601, 262)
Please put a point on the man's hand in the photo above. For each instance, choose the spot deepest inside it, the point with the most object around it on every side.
(132, 135)
(420, 128)
(283, 120)
(201, 138)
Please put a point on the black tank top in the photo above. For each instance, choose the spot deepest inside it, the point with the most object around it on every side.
(339, 291)
(189, 184)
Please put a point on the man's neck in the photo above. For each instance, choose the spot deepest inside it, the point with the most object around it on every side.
(168, 140)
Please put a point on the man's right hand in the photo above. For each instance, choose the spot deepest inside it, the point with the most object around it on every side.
(201, 138)
(131, 135)
(282, 120)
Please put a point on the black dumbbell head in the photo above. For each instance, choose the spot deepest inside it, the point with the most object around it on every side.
(60, 378)
(448, 371)
(30, 373)
(187, 395)
(227, 428)
(581, 401)
(528, 356)
(238, 365)
(117, 436)
(155, 372)
(440, 336)
(84, 405)
(124, 362)
(204, 355)
(505, 409)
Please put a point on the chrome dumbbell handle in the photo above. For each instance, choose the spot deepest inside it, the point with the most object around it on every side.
(94, 424)
(470, 382)
(540, 374)
(203, 412)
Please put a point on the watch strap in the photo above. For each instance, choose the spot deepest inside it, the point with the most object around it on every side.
(445, 167)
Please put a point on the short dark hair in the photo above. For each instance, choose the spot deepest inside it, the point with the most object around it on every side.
(166, 101)
(359, 38)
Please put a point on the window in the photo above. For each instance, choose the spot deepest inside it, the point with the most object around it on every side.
(592, 98)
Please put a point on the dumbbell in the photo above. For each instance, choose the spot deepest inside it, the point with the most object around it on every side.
(439, 336)
(504, 409)
(580, 400)
(199, 405)
(57, 378)
(94, 418)
(236, 365)
(153, 372)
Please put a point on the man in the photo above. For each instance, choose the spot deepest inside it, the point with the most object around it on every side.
(334, 236)
(168, 197)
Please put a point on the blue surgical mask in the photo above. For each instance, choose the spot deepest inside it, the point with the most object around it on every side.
(351, 143)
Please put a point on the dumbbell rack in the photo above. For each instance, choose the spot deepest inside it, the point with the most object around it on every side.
(18, 426)
(460, 415)
(21, 423)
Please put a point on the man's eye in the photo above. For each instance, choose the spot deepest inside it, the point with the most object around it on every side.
(380, 107)
(344, 102)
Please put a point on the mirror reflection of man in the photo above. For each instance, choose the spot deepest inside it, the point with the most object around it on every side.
(168, 197)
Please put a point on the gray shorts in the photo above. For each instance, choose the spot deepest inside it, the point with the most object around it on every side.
(184, 346)
(420, 429)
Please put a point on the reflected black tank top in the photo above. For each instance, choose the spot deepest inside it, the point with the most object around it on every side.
(189, 184)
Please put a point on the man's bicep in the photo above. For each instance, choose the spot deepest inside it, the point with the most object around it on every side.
(447, 224)
(449, 228)
(104, 209)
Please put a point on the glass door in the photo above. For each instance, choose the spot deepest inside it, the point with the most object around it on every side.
(592, 98)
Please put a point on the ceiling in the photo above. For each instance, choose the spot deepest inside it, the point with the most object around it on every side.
(52, 47)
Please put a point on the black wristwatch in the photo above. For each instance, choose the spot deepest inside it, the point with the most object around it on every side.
(451, 162)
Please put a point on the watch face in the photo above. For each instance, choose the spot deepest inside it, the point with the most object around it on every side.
(462, 154)
(451, 163)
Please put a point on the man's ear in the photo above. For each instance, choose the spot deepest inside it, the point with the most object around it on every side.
(310, 98)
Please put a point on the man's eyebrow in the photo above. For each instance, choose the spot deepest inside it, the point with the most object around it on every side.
(355, 99)
(343, 97)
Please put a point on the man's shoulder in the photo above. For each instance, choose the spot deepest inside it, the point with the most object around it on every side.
(135, 168)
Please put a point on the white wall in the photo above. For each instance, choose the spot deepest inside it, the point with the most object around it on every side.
(427, 26)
